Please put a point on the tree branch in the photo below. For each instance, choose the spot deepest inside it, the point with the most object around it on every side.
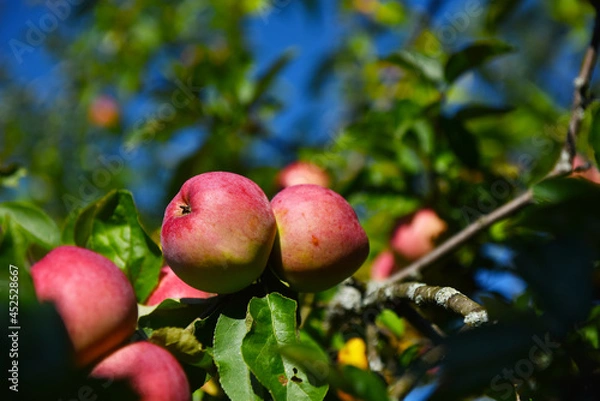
(419, 293)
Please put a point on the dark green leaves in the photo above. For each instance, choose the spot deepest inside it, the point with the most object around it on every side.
(473, 56)
(273, 325)
(111, 227)
(560, 273)
(594, 137)
(462, 142)
(554, 191)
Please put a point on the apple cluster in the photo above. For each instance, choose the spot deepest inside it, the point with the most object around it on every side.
(98, 307)
(220, 232)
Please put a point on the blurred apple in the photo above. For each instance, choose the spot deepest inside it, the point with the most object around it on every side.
(415, 235)
(302, 173)
(383, 266)
(172, 287)
(218, 232)
(92, 296)
(320, 240)
(104, 112)
(151, 371)
(592, 174)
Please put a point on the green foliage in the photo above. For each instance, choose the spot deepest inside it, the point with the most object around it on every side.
(111, 227)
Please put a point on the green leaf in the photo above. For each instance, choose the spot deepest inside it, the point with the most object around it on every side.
(462, 142)
(11, 174)
(265, 80)
(594, 137)
(13, 261)
(37, 224)
(557, 190)
(388, 319)
(473, 56)
(174, 313)
(13, 246)
(425, 67)
(363, 384)
(273, 326)
(235, 377)
(181, 343)
(67, 236)
(565, 207)
(111, 227)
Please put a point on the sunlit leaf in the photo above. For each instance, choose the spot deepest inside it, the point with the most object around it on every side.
(273, 325)
(111, 227)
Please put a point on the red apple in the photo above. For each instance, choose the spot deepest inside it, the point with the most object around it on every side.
(592, 174)
(104, 112)
(383, 266)
(172, 287)
(302, 173)
(151, 371)
(415, 235)
(218, 232)
(92, 296)
(320, 240)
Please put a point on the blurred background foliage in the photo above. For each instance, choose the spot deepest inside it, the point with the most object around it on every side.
(452, 105)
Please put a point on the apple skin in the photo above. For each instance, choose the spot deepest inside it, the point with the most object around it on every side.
(93, 297)
(320, 240)
(151, 371)
(415, 235)
(104, 112)
(172, 287)
(218, 232)
(302, 173)
(384, 265)
(592, 174)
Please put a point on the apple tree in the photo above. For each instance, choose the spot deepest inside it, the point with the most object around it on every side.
(434, 233)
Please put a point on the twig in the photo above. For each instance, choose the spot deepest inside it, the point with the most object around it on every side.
(375, 362)
(580, 98)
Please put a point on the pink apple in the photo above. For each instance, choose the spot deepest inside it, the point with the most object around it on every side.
(92, 296)
(416, 234)
(302, 173)
(218, 232)
(172, 287)
(592, 174)
(104, 112)
(320, 240)
(383, 266)
(151, 371)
